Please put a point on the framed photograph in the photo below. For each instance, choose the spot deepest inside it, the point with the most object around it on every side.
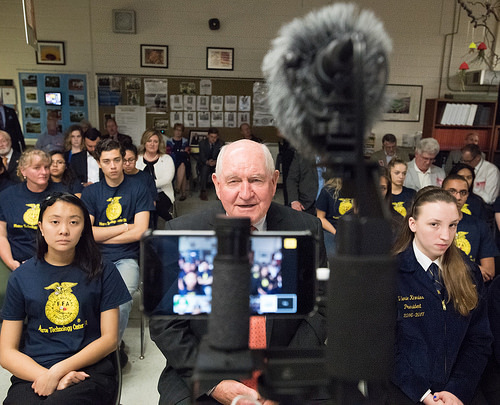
(155, 56)
(195, 136)
(161, 123)
(404, 102)
(220, 58)
(50, 53)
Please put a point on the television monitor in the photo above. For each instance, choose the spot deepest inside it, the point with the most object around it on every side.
(53, 98)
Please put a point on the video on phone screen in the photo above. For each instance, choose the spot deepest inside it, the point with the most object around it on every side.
(272, 290)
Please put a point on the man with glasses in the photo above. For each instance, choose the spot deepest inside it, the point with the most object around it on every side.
(487, 182)
(421, 171)
(473, 236)
(455, 156)
(131, 170)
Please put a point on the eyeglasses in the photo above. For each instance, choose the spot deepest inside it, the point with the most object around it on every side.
(463, 193)
(427, 159)
(129, 161)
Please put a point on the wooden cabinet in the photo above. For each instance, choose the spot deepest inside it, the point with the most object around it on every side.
(451, 136)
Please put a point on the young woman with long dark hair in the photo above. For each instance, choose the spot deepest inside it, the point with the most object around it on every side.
(69, 298)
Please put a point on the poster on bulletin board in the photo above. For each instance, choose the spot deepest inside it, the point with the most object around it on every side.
(58, 95)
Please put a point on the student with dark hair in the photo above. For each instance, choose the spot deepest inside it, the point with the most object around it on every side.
(130, 169)
(443, 338)
(473, 236)
(69, 298)
(61, 173)
(474, 205)
(119, 208)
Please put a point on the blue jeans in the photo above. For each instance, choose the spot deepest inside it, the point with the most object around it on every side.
(330, 243)
(129, 270)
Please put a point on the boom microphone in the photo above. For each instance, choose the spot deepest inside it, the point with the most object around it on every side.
(326, 75)
(316, 70)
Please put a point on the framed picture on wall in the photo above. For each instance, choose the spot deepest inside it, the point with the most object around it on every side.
(155, 56)
(404, 102)
(220, 58)
(50, 53)
(196, 136)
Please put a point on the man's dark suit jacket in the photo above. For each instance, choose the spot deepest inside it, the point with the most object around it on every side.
(302, 183)
(12, 169)
(79, 165)
(178, 339)
(205, 150)
(13, 128)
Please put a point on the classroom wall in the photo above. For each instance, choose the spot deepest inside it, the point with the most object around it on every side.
(417, 29)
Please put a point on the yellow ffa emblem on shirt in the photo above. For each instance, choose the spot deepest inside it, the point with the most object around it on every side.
(114, 208)
(399, 208)
(466, 210)
(345, 205)
(62, 306)
(31, 215)
(462, 243)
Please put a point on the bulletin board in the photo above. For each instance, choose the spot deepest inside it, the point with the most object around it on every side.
(73, 107)
(197, 102)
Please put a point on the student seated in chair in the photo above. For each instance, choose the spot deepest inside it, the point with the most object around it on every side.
(69, 298)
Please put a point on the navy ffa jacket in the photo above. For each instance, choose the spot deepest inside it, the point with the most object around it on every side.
(436, 347)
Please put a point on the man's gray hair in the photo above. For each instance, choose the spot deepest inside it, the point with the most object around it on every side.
(427, 145)
(268, 158)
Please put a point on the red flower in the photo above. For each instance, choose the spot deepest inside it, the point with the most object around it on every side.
(464, 66)
(482, 46)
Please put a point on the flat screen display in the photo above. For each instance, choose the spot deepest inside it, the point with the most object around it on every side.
(53, 98)
(178, 272)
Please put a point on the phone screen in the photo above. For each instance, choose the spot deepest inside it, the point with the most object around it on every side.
(178, 270)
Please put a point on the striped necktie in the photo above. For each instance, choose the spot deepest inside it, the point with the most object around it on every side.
(433, 273)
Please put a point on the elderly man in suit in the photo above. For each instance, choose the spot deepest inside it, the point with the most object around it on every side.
(245, 182)
(421, 172)
(9, 155)
(389, 150)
